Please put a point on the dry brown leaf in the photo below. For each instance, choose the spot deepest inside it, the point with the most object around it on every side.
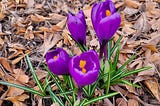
(6, 64)
(154, 87)
(149, 72)
(142, 24)
(12, 91)
(41, 74)
(18, 100)
(62, 23)
(21, 30)
(20, 76)
(49, 41)
(55, 16)
(107, 102)
(132, 102)
(15, 54)
(129, 95)
(66, 37)
(151, 47)
(121, 102)
(29, 33)
(131, 89)
(15, 61)
(1, 16)
(56, 28)
(38, 18)
(30, 3)
(132, 3)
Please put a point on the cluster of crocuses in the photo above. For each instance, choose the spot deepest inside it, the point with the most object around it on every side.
(85, 68)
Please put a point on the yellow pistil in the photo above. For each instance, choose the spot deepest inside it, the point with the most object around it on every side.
(55, 57)
(84, 70)
(82, 64)
(108, 13)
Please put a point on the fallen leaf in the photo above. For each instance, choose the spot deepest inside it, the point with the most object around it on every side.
(151, 47)
(18, 100)
(132, 3)
(5, 63)
(49, 41)
(121, 102)
(20, 76)
(154, 87)
(132, 102)
(38, 18)
(41, 74)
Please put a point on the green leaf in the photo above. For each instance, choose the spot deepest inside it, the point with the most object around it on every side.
(129, 83)
(115, 45)
(124, 65)
(116, 58)
(34, 74)
(100, 98)
(134, 71)
(57, 83)
(53, 96)
(22, 87)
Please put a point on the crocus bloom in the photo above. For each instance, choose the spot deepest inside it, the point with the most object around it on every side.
(57, 61)
(105, 20)
(77, 27)
(85, 68)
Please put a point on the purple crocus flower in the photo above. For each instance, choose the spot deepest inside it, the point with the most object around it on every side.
(77, 27)
(57, 61)
(85, 68)
(105, 21)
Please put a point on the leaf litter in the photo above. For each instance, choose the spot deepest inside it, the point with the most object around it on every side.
(34, 27)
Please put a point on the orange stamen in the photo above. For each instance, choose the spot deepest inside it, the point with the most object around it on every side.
(55, 57)
(84, 70)
(108, 13)
(82, 64)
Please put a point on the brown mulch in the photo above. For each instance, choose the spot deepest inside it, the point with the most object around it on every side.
(35, 26)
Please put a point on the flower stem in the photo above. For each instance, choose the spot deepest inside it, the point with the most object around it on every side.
(79, 93)
(103, 50)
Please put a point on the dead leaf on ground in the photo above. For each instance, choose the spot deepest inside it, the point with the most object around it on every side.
(154, 87)
(20, 76)
(121, 102)
(132, 3)
(50, 40)
(18, 100)
(132, 102)
(5, 63)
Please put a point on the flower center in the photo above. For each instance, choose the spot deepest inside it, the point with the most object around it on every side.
(82, 64)
(55, 57)
(108, 13)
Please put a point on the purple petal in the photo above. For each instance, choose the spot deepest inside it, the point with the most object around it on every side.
(77, 27)
(58, 66)
(81, 16)
(92, 67)
(108, 26)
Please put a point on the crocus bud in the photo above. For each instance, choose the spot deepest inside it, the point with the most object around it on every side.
(85, 68)
(77, 27)
(105, 20)
(57, 61)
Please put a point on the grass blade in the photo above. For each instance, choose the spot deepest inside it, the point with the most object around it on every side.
(128, 61)
(57, 83)
(22, 87)
(115, 45)
(100, 98)
(135, 71)
(53, 96)
(34, 74)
